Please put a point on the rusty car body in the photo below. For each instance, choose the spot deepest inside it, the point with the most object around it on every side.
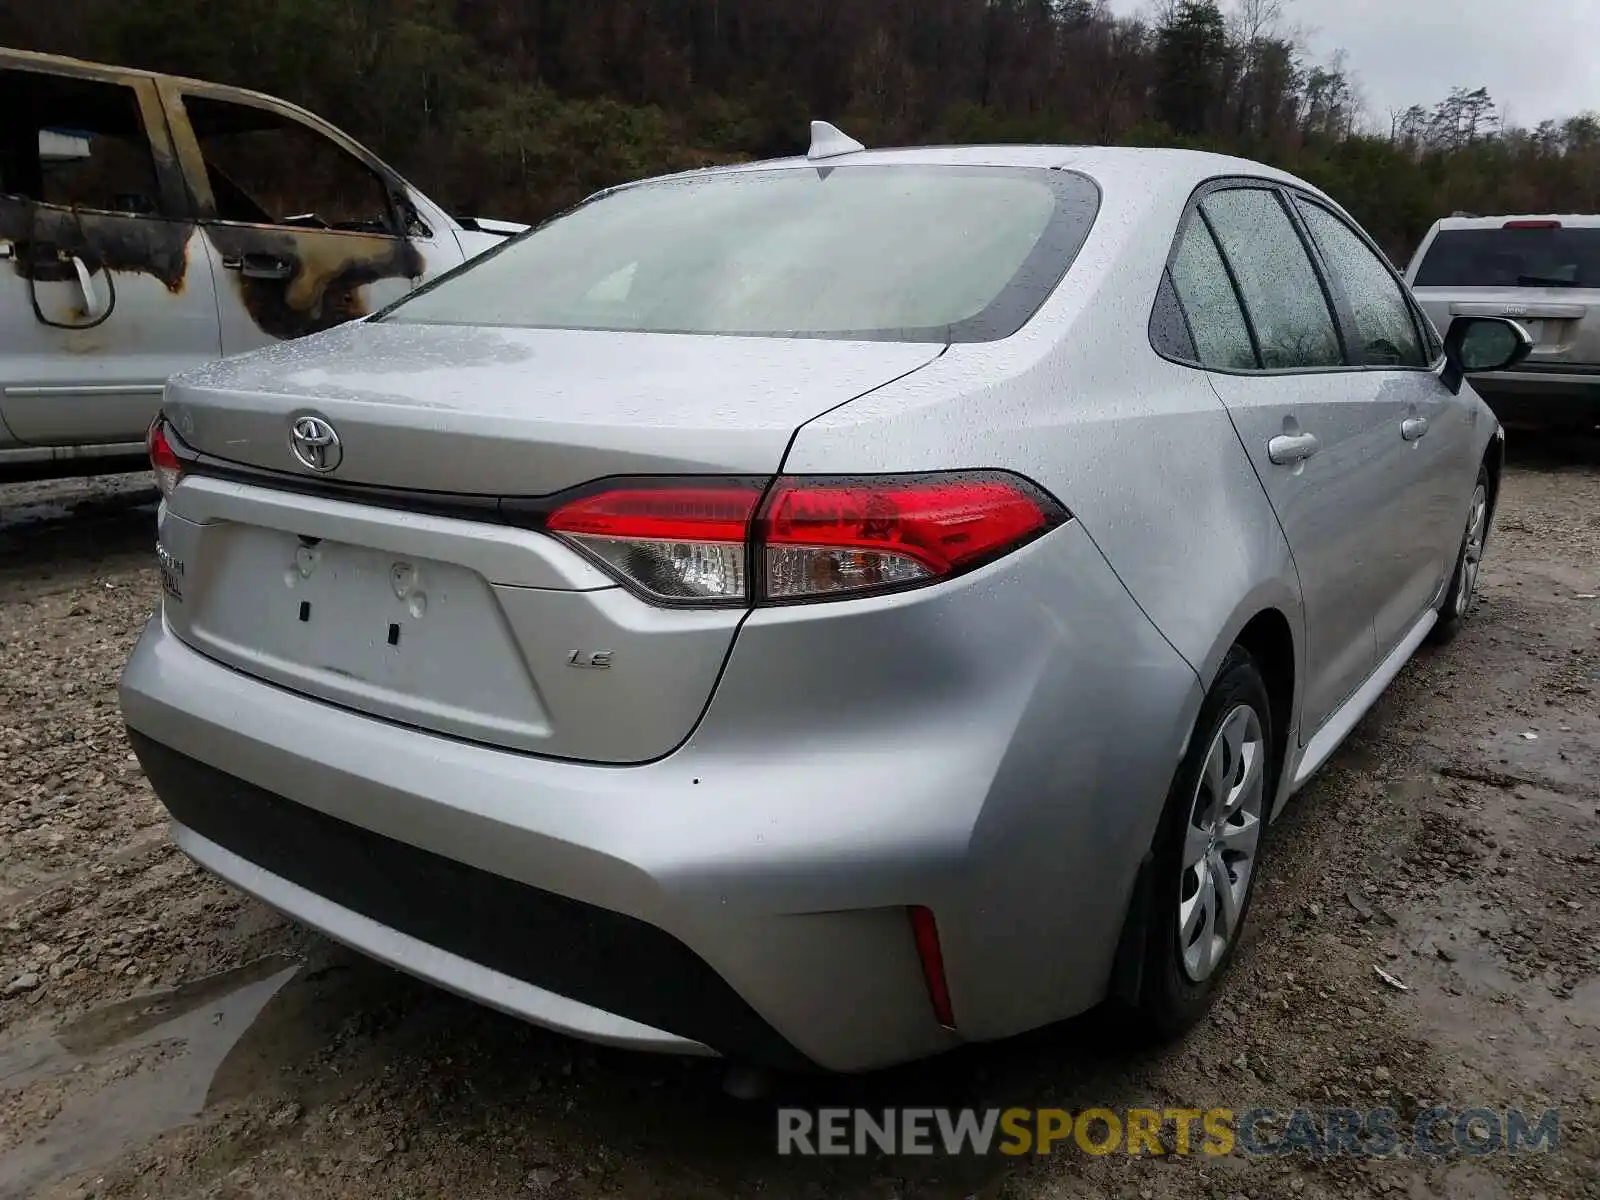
(150, 223)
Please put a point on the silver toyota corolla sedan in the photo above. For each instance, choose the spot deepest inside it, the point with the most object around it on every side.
(819, 611)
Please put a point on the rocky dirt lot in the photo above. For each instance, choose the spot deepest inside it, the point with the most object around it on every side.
(162, 1036)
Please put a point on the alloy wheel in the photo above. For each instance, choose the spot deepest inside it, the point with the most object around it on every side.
(1472, 550)
(1220, 842)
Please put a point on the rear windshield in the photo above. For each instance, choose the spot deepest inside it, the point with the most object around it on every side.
(1512, 258)
(907, 253)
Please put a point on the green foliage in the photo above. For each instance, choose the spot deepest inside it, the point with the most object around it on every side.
(518, 108)
(1191, 59)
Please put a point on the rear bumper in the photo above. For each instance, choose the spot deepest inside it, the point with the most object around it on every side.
(453, 925)
(448, 970)
(324, 814)
(1545, 397)
(747, 893)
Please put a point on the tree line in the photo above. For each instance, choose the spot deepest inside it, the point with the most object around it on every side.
(517, 108)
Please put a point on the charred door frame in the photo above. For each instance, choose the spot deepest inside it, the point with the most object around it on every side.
(172, 90)
(300, 304)
(64, 386)
(153, 243)
(176, 199)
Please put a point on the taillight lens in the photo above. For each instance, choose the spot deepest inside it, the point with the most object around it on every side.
(822, 538)
(812, 539)
(164, 460)
(681, 543)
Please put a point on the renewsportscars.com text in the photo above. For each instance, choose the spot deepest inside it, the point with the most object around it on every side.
(1214, 1132)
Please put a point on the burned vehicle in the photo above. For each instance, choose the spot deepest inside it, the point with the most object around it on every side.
(150, 223)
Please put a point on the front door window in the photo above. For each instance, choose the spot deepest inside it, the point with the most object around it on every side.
(266, 168)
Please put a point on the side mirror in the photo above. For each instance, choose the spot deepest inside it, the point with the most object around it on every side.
(1476, 344)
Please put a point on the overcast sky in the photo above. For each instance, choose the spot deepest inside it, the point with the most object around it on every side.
(1538, 60)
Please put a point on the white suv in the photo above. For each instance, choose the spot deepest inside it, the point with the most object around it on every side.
(149, 224)
(1542, 271)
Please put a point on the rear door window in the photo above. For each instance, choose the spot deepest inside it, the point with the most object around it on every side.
(1221, 335)
(1283, 296)
(1536, 255)
(75, 143)
(1386, 331)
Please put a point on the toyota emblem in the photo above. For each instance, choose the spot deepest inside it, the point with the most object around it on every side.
(315, 444)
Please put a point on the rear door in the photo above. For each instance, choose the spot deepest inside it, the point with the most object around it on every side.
(1427, 462)
(305, 229)
(1264, 327)
(103, 291)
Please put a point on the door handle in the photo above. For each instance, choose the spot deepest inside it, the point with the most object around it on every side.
(259, 266)
(92, 308)
(1292, 448)
(1413, 427)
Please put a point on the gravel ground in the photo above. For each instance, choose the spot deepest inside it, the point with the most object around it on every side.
(163, 1036)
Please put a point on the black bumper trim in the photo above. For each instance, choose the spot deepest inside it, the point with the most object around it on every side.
(593, 955)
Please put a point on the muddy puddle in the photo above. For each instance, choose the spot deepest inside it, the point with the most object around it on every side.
(152, 1062)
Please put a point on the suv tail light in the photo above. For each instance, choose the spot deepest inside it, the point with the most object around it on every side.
(737, 541)
(165, 459)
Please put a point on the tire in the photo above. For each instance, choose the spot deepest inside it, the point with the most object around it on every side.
(1183, 963)
(1463, 589)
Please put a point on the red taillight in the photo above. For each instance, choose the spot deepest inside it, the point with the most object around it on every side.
(824, 537)
(812, 539)
(684, 543)
(711, 513)
(1531, 225)
(164, 460)
(926, 933)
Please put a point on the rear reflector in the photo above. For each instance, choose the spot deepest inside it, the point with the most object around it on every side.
(1531, 225)
(926, 933)
(717, 542)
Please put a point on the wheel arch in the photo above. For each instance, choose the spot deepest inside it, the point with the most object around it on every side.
(1270, 641)
(1273, 640)
(1270, 624)
(1494, 457)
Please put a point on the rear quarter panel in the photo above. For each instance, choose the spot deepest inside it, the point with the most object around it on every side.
(1143, 454)
(1140, 450)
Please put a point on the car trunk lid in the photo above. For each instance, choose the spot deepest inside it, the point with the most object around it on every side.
(448, 617)
(526, 411)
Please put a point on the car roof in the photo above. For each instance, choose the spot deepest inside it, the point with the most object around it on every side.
(1174, 168)
(1575, 220)
(32, 59)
